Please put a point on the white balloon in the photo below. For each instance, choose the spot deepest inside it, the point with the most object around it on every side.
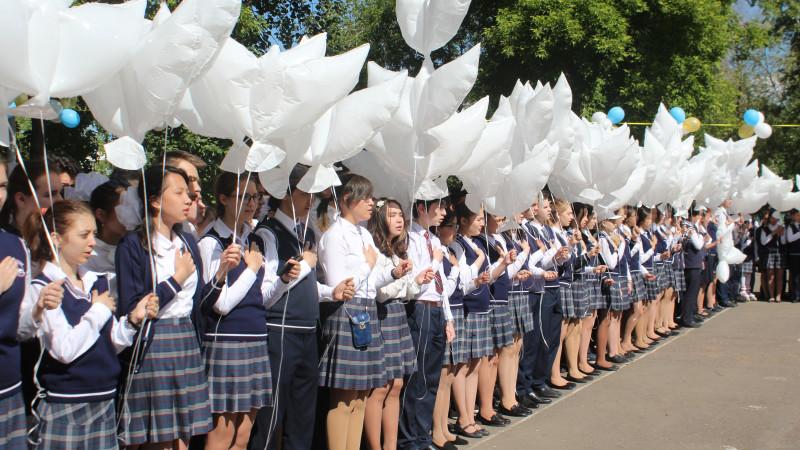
(50, 49)
(125, 153)
(428, 25)
(179, 48)
(723, 271)
(763, 130)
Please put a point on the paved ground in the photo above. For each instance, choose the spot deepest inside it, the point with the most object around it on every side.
(732, 384)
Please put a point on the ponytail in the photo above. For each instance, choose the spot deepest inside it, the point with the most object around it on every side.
(58, 218)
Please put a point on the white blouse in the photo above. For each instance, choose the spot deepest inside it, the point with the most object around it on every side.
(181, 305)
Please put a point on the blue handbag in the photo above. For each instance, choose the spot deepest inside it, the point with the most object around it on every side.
(361, 331)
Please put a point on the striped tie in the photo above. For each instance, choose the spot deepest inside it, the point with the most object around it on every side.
(437, 279)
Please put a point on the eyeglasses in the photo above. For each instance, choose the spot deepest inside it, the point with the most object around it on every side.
(247, 198)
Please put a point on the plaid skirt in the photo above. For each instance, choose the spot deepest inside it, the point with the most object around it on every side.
(651, 288)
(616, 299)
(12, 423)
(773, 261)
(502, 330)
(168, 399)
(662, 277)
(680, 279)
(342, 365)
(77, 425)
(579, 291)
(478, 335)
(669, 276)
(456, 352)
(596, 298)
(566, 300)
(239, 375)
(521, 316)
(398, 348)
(747, 266)
(639, 289)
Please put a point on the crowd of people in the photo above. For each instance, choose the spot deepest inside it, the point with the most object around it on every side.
(133, 316)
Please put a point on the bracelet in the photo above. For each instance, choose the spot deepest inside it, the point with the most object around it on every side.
(131, 324)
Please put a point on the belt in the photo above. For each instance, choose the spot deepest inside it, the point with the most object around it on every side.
(431, 303)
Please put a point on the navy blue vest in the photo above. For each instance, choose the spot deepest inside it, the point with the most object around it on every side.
(793, 248)
(93, 375)
(547, 235)
(499, 288)
(478, 300)
(773, 246)
(566, 269)
(712, 231)
(245, 322)
(692, 257)
(533, 284)
(10, 302)
(302, 309)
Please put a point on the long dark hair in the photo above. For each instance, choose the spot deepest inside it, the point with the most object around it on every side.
(105, 197)
(154, 178)
(226, 184)
(18, 182)
(377, 226)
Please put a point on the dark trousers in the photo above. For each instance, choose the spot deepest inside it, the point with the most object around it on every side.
(427, 325)
(692, 291)
(549, 315)
(794, 272)
(729, 290)
(530, 345)
(295, 377)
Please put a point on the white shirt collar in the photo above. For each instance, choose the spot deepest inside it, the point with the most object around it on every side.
(224, 232)
(55, 273)
(287, 221)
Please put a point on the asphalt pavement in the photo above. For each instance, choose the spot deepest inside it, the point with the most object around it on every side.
(734, 383)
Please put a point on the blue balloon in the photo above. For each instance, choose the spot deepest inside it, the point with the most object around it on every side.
(678, 114)
(751, 117)
(70, 118)
(615, 115)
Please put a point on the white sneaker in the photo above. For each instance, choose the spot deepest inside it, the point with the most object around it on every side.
(752, 296)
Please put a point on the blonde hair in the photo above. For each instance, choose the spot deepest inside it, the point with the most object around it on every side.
(559, 206)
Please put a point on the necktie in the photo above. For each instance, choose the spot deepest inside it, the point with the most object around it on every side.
(298, 229)
(437, 279)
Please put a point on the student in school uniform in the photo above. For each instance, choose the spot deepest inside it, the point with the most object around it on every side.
(389, 230)
(662, 269)
(477, 323)
(538, 357)
(694, 254)
(103, 202)
(647, 264)
(191, 165)
(348, 250)
(772, 242)
(19, 315)
(459, 282)
(793, 253)
(292, 300)
(570, 305)
(81, 338)
(521, 318)
(746, 243)
(431, 324)
(499, 321)
(612, 249)
(633, 246)
(234, 343)
(166, 398)
(678, 232)
(587, 222)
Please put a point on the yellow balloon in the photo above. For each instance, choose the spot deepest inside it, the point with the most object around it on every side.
(69, 103)
(745, 131)
(21, 98)
(691, 124)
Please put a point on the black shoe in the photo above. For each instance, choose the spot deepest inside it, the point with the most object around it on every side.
(617, 359)
(699, 318)
(483, 431)
(663, 335)
(674, 332)
(527, 402)
(691, 325)
(495, 421)
(462, 432)
(460, 441)
(536, 399)
(567, 387)
(576, 380)
(516, 411)
(447, 446)
(546, 392)
(726, 304)
(606, 369)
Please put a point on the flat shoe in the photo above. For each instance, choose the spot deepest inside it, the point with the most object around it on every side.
(606, 369)
(567, 387)
(495, 421)
(576, 380)
(470, 434)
